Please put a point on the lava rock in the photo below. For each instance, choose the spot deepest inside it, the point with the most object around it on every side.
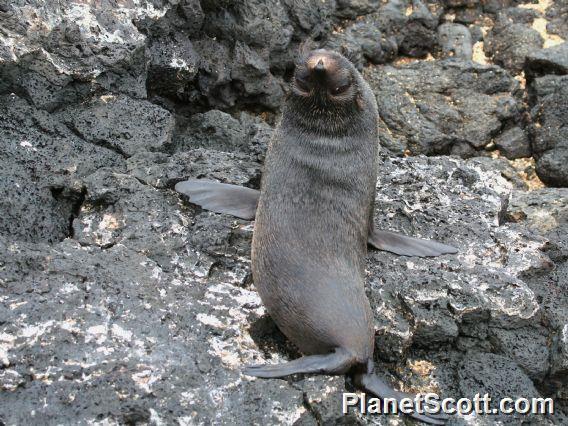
(455, 41)
(553, 60)
(468, 15)
(220, 131)
(442, 300)
(560, 354)
(251, 74)
(73, 50)
(434, 106)
(122, 124)
(193, 15)
(546, 211)
(353, 8)
(259, 23)
(362, 42)
(556, 15)
(497, 376)
(551, 167)
(511, 40)
(125, 303)
(313, 19)
(505, 169)
(42, 163)
(419, 36)
(528, 347)
(173, 67)
(513, 143)
(550, 133)
(542, 209)
(163, 171)
(151, 294)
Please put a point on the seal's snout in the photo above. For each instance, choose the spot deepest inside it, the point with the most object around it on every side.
(322, 74)
(320, 67)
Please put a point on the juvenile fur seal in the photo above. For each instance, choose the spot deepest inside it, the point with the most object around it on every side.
(313, 221)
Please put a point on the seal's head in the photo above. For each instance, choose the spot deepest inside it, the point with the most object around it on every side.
(329, 96)
(325, 77)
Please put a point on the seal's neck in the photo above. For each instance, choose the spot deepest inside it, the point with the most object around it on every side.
(319, 118)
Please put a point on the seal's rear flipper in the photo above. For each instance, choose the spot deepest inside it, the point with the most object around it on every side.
(337, 362)
(218, 197)
(407, 246)
(380, 388)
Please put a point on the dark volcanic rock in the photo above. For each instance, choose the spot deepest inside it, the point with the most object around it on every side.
(512, 39)
(514, 143)
(468, 15)
(550, 130)
(455, 41)
(122, 124)
(151, 296)
(557, 14)
(362, 42)
(546, 211)
(251, 75)
(311, 18)
(220, 131)
(436, 107)
(542, 210)
(497, 376)
(553, 60)
(552, 168)
(254, 22)
(441, 300)
(42, 164)
(163, 171)
(72, 50)
(173, 67)
(419, 35)
(405, 27)
(354, 8)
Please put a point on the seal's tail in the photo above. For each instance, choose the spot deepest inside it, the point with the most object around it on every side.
(375, 385)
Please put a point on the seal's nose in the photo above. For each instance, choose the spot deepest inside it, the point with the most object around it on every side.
(320, 67)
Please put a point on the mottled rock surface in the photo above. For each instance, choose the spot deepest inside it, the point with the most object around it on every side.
(455, 41)
(447, 106)
(550, 129)
(512, 38)
(122, 303)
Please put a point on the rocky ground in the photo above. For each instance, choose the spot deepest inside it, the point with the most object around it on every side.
(122, 303)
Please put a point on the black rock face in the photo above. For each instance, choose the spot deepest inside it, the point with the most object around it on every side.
(551, 136)
(442, 107)
(512, 38)
(121, 302)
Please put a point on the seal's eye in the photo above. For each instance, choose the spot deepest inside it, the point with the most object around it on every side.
(302, 84)
(338, 90)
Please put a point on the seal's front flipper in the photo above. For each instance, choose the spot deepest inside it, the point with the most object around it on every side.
(407, 246)
(218, 197)
(380, 388)
(337, 362)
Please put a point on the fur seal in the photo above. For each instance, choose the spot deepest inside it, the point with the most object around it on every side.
(313, 222)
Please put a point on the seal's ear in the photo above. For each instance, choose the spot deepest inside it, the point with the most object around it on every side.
(218, 197)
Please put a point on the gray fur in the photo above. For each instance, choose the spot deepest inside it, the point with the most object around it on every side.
(310, 238)
(312, 224)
